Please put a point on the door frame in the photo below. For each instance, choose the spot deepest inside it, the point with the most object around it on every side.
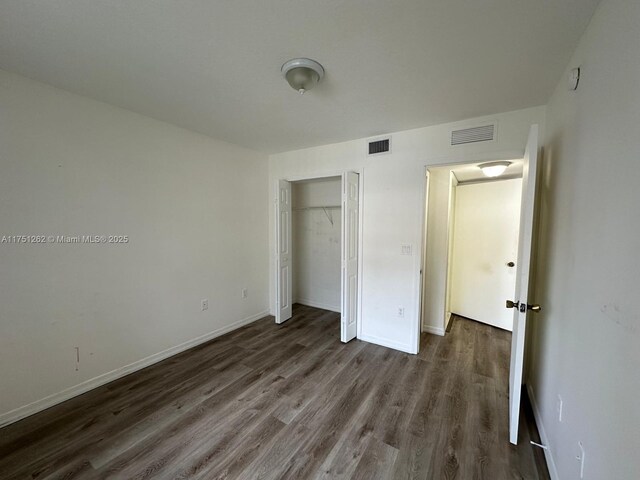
(437, 162)
(329, 174)
(451, 217)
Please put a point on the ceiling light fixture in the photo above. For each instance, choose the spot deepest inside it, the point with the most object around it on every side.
(302, 73)
(494, 169)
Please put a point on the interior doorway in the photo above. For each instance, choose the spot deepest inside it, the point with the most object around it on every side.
(437, 272)
(317, 239)
(472, 242)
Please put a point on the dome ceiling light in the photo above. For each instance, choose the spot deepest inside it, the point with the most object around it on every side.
(302, 74)
(494, 169)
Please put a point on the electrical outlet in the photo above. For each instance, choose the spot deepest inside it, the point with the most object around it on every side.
(580, 458)
(245, 293)
(401, 312)
(205, 304)
(559, 405)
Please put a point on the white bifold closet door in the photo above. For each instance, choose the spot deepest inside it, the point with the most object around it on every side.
(350, 213)
(283, 255)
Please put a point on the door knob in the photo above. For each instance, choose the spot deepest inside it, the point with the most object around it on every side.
(511, 264)
(523, 307)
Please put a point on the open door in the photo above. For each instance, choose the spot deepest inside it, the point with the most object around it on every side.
(283, 257)
(523, 275)
(350, 207)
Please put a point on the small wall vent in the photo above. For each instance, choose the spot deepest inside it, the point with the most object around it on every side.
(382, 145)
(484, 133)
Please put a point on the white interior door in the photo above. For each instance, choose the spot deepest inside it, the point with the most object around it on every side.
(485, 249)
(350, 207)
(283, 255)
(523, 276)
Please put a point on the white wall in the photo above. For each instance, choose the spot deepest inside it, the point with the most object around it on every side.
(393, 210)
(195, 211)
(585, 341)
(317, 243)
(485, 239)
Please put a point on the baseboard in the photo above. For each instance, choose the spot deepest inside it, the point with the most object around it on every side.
(323, 306)
(434, 330)
(548, 456)
(403, 347)
(56, 398)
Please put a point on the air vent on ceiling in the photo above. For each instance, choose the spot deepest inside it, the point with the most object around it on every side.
(484, 133)
(382, 145)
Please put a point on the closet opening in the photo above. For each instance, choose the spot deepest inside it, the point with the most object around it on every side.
(316, 233)
(317, 239)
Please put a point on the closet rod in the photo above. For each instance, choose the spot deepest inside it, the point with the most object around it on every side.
(312, 208)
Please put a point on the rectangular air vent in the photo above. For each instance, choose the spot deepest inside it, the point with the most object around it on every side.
(484, 133)
(382, 145)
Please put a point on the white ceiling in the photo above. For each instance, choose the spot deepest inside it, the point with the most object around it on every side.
(213, 66)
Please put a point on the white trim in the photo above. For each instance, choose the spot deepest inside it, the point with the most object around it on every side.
(548, 455)
(451, 215)
(422, 265)
(359, 318)
(68, 393)
(434, 330)
(403, 347)
(315, 176)
(323, 306)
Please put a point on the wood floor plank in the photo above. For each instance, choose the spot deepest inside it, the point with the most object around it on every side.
(244, 452)
(343, 459)
(269, 464)
(377, 461)
(415, 455)
(291, 401)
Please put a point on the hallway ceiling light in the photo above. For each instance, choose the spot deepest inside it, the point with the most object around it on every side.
(302, 73)
(494, 169)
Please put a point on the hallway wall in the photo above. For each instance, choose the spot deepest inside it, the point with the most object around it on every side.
(584, 344)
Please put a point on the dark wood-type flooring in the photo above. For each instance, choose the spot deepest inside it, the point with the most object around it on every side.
(289, 402)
